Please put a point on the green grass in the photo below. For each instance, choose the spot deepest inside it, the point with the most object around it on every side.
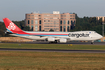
(51, 61)
(24, 60)
(53, 46)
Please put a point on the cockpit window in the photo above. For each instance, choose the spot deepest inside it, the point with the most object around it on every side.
(92, 32)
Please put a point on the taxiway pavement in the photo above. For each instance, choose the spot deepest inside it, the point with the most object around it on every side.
(54, 50)
(58, 50)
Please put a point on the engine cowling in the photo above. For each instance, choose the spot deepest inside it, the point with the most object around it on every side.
(51, 39)
(63, 40)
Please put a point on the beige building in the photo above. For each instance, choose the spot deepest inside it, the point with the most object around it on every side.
(46, 21)
(103, 18)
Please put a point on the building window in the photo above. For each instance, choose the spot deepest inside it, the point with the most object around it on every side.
(61, 22)
(39, 21)
(31, 21)
(68, 22)
(36, 28)
(74, 22)
(61, 28)
(64, 22)
(71, 22)
(32, 27)
(64, 29)
(28, 22)
(48, 20)
(64, 15)
(39, 28)
(36, 15)
(72, 25)
(36, 22)
(44, 20)
(68, 28)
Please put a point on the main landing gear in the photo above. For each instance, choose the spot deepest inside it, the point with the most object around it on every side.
(92, 42)
(54, 42)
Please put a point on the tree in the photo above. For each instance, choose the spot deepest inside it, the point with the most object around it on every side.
(51, 30)
(88, 23)
(26, 28)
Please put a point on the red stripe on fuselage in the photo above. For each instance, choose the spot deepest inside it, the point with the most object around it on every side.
(22, 32)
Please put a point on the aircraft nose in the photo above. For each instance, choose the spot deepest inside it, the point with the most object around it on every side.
(100, 36)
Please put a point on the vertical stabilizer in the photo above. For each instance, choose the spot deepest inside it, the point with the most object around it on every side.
(11, 27)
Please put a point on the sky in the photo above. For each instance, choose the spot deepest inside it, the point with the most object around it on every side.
(16, 9)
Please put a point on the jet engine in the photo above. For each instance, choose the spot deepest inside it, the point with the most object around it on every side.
(63, 40)
(51, 39)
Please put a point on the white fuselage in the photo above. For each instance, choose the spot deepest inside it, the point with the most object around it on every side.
(69, 36)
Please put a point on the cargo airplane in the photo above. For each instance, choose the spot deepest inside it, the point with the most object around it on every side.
(61, 37)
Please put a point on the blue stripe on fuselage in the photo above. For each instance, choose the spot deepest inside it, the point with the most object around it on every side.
(9, 31)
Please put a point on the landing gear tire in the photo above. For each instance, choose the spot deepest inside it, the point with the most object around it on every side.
(92, 42)
(55, 42)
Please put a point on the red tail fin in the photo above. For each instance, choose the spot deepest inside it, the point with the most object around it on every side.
(11, 26)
